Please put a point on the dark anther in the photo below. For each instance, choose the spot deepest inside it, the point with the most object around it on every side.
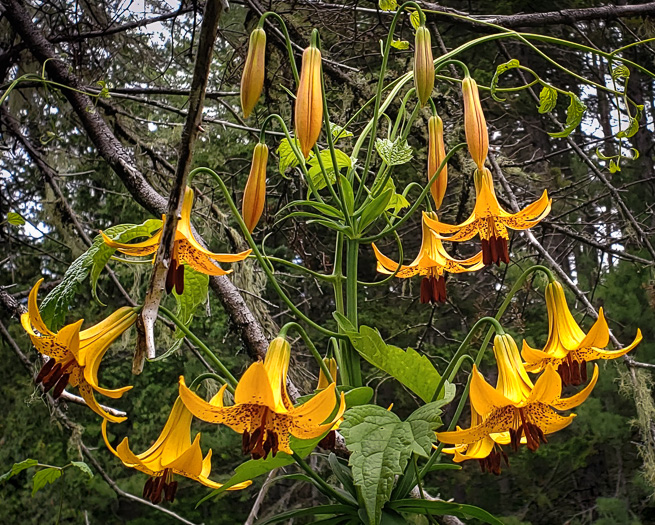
(60, 386)
(179, 279)
(52, 377)
(426, 290)
(45, 370)
(329, 441)
(583, 371)
(170, 276)
(169, 491)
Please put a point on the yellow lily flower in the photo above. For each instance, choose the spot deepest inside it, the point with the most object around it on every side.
(172, 453)
(263, 411)
(74, 355)
(491, 221)
(516, 404)
(431, 262)
(186, 250)
(568, 348)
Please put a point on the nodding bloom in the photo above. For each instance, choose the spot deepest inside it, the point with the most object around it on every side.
(252, 79)
(172, 453)
(516, 405)
(186, 250)
(74, 355)
(491, 221)
(309, 100)
(331, 364)
(475, 125)
(254, 195)
(568, 348)
(431, 262)
(436, 155)
(263, 411)
(423, 65)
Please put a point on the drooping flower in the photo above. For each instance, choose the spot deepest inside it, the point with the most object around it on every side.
(491, 221)
(74, 355)
(186, 250)
(252, 78)
(475, 125)
(263, 411)
(423, 65)
(431, 262)
(309, 100)
(568, 348)
(254, 195)
(172, 453)
(516, 404)
(331, 364)
(436, 155)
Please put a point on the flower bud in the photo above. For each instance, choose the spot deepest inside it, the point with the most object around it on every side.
(436, 155)
(309, 101)
(475, 125)
(331, 364)
(252, 80)
(254, 194)
(423, 65)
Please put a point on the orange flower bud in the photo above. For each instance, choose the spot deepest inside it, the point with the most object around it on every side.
(423, 65)
(331, 364)
(475, 125)
(252, 80)
(309, 101)
(436, 155)
(255, 193)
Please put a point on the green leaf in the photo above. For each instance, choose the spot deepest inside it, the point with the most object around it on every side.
(196, 285)
(44, 477)
(614, 166)
(415, 19)
(15, 219)
(287, 157)
(400, 44)
(256, 467)
(398, 201)
(312, 511)
(373, 209)
(18, 467)
(394, 153)
(633, 127)
(315, 173)
(342, 473)
(502, 68)
(574, 115)
(620, 71)
(413, 370)
(423, 422)
(326, 209)
(547, 99)
(441, 508)
(339, 132)
(380, 444)
(83, 467)
(348, 194)
(353, 396)
(388, 5)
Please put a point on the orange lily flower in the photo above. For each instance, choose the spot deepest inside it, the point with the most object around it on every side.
(436, 155)
(172, 453)
(568, 348)
(263, 411)
(74, 355)
(431, 262)
(186, 250)
(516, 404)
(491, 221)
(309, 100)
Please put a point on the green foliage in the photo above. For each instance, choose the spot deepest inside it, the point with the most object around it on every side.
(45, 477)
(15, 219)
(574, 115)
(196, 285)
(547, 99)
(316, 174)
(394, 153)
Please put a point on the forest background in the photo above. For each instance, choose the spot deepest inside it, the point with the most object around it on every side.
(57, 190)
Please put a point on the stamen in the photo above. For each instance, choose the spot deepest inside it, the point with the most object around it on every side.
(60, 386)
(45, 370)
(486, 253)
(179, 279)
(426, 290)
(170, 276)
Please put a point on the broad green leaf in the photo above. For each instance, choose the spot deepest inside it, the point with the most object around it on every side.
(256, 467)
(339, 132)
(83, 467)
(620, 71)
(441, 508)
(423, 422)
(15, 219)
(394, 153)
(18, 467)
(415, 19)
(502, 68)
(547, 99)
(353, 396)
(44, 477)
(413, 370)
(315, 173)
(574, 115)
(196, 285)
(400, 44)
(388, 5)
(286, 155)
(397, 201)
(380, 444)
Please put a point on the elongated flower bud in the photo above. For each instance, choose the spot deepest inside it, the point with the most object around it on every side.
(475, 125)
(436, 155)
(309, 101)
(331, 364)
(423, 65)
(252, 80)
(254, 195)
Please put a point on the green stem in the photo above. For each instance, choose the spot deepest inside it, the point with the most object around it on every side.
(287, 40)
(352, 357)
(325, 487)
(230, 379)
(310, 344)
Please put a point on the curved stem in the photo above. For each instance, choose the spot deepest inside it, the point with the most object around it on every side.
(287, 40)
(310, 344)
(324, 487)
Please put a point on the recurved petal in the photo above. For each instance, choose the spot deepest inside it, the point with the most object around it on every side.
(498, 421)
(478, 450)
(580, 397)
(206, 470)
(188, 462)
(305, 430)
(590, 354)
(599, 333)
(316, 411)
(530, 215)
(136, 249)
(69, 337)
(388, 266)
(485, 398)
(125, 455)
(534, 357)
(87, 393)
(254, 388)
(217, 400)
(547, 389)
(34, 315)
